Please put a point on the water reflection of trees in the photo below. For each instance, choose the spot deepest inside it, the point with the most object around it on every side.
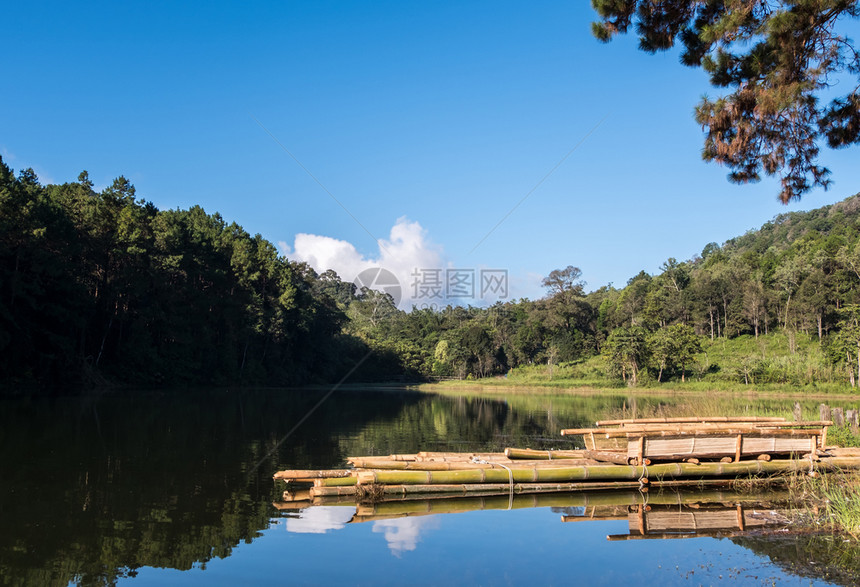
(94, 489)
(817, 556)
(474, 424)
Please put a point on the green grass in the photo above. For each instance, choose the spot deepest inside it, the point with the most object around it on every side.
(843, 506)
(830, 502)
(842, 436)
(770, 363)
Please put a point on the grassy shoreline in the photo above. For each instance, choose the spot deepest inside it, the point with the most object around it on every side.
(772, 363)
(502, 386)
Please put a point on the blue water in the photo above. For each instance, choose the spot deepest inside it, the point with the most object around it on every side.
(518, 547)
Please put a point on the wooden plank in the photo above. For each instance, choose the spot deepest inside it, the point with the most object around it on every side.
(678, 426)
(713, 426)
(717, 446)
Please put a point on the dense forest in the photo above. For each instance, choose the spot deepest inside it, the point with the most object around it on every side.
(99, 287)
(102, 287)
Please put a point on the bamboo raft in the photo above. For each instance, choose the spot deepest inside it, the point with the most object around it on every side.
(666, 453)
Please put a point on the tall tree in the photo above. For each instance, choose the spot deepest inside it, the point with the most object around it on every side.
(776, 59)
(628, 352)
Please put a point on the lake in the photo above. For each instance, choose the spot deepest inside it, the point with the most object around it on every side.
(156, 487)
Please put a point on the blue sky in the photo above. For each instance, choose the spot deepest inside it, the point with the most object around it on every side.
(434, 119)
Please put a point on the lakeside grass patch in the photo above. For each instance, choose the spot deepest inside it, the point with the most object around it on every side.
(843, 505)
(842, 436)
(776, 362)
(829, 502)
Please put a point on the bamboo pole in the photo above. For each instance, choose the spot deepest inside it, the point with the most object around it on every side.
(617, 458)
(845, 451)
(691, 419)
(582, 473)
(332, 491)
(292, 505)
(447, 504)
(601, 473)
(801, 424)
(434, 455)
(550, 455)
(344, 500)
(301, 495)
(503, 488)
(306, 475)
(606, 518)
(373, 463)
(335, 482)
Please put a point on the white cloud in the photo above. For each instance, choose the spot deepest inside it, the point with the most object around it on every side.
(403, 534)
(407, 248)
(320, 519)
(416, 261)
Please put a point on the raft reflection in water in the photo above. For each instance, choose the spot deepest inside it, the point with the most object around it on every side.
(660, 514)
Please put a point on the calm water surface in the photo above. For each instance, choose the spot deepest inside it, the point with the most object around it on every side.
(155, 488)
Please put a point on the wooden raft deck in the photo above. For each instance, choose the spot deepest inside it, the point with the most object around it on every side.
(729, 439)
